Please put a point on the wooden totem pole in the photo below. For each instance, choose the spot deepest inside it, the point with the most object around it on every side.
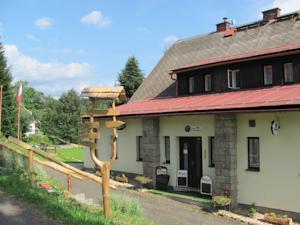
(92, 134)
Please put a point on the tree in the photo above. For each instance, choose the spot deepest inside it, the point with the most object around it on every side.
(131, 76)
(69, 116)
(9, 110)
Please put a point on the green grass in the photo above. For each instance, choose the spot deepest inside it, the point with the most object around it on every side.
(188, 196)
(64, 210)
(73, 154)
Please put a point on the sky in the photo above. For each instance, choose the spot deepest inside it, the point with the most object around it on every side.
(58, 45)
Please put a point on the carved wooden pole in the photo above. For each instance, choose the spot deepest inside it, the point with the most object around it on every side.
(93, 133)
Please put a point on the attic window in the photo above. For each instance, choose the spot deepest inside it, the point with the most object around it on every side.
(288, 72)
(207, 82)
(191, 85)
(268, 75)
(233, 78)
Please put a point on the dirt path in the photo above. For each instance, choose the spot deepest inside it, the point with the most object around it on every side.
(14, 212)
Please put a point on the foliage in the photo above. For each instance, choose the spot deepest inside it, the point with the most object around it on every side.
(252, 210)
(131, 76)
(126, 204)
(37, 139)
(221, 201)
(121, 178)
(9, 110)
(62, 117)
(143, 179)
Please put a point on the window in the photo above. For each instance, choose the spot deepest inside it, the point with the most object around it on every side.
(139, 153)
(268, 75)
(233, 79)
(211, 148)
(288, 72)
(191, 85)
(167, 149)
(253, 154)
(207, 82)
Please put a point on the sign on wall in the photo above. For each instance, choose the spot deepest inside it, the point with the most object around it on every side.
(275, 127)
(189, 128)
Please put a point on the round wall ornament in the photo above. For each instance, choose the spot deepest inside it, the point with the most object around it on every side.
(187, 128)
(275, 127)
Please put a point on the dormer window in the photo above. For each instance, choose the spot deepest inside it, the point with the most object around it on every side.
(207, 82)
(268, 75)
(288, 73)
(191, 85)
(233, 77)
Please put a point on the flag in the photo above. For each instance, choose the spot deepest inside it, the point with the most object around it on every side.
(19, 96)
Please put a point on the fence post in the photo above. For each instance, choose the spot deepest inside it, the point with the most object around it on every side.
(30, 164)
(69, 184)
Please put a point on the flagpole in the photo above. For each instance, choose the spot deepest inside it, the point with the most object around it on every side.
(19, 99)
(19, 112)
(1, 93)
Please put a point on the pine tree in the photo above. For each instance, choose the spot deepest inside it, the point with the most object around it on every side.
(131, 76)
(9, 105)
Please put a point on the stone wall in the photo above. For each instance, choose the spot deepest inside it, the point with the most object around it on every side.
(225, 155)
(150, 146)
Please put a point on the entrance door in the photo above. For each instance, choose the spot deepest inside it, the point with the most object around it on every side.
(191, 159)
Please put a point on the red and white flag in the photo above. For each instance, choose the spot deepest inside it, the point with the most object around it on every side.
(19, 96)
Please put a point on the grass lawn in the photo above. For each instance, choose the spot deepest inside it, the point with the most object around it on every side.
(73, 154)
(188, 196)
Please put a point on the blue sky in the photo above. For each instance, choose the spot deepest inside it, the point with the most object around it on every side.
(57, 45)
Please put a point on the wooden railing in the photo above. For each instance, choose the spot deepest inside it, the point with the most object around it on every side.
(62, 168)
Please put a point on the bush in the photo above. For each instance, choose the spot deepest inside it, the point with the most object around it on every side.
(37, 139)
(126, 205)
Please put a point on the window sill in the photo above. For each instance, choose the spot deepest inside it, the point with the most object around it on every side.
(166, 163)
(139, 160)
(253, 170)
(211, 166)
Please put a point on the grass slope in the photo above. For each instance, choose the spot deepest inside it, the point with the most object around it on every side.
(64, 210)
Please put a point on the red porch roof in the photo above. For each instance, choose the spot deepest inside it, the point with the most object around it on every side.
(285, 95)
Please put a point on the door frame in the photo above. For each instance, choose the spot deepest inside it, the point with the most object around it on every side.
(191, 179)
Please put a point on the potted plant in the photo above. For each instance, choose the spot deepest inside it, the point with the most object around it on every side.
(144, 182)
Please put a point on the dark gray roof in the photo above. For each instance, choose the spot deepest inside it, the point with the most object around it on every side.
(256, 37)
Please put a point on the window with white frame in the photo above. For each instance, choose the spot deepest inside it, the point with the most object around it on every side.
(207, 82)
(268, 75)
(167, 149)
(139, 150)
(233, 79)
(288, 72)
(253, 153)
(191, 85)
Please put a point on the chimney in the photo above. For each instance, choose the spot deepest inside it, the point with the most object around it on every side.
(224, 26)
(271, 14)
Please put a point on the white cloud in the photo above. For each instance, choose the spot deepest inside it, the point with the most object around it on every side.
(32, 37)
(68, 51)
(44, 22)
(171, 39)
(50, 77)
(96, 18)
(286, 6)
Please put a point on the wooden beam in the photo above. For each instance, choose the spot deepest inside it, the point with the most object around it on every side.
(89, 144)
(105, 112)
(91, 125)
(114, 124)
(80, 172)
(18, 142)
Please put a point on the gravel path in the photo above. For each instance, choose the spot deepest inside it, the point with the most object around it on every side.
(161, 210)
(14, 212)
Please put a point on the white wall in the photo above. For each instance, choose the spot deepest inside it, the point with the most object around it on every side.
(174, 126)
(126, 147)
(277, 185)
